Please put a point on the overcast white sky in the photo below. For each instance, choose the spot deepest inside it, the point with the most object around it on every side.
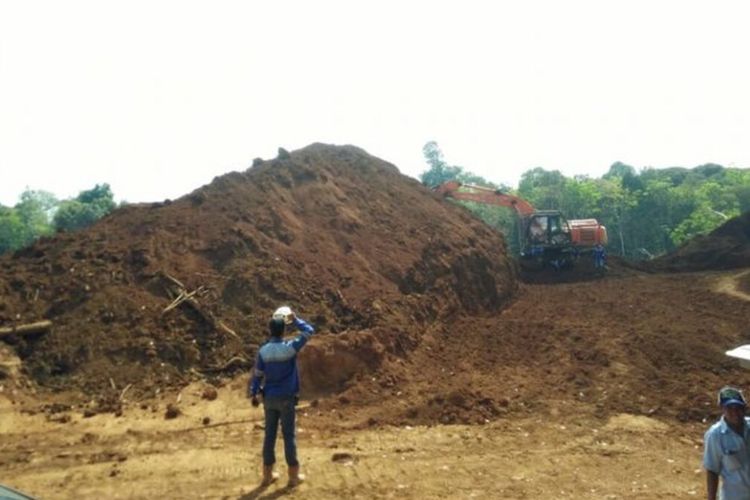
(158, 97)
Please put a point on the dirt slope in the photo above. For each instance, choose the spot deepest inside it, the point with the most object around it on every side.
(358, 249)
(643, 344)
(726, 247)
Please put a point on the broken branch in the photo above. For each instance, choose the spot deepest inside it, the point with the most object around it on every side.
(227, 329)
(122, 394)
(29, 328)
(181, 298)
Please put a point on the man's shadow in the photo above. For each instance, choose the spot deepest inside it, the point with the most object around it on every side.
(258, 493)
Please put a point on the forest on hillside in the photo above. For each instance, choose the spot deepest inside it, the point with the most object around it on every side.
(647, 213)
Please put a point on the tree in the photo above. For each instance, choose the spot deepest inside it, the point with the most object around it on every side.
(616, 207)
(619, 169)
(11, 230)
(27, 220)
(543, 188)
(714, 204)
(101, 195)
(88, 207)
(439, 171)
(33, 212)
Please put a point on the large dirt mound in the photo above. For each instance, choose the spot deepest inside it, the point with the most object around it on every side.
(726, 247)
(358, 249)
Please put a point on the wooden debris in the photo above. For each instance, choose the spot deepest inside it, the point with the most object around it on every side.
(227, 329)
(236, 360)
(182, 297)
(176, 289)
(122, 394)
(173, 280)
(27, 329)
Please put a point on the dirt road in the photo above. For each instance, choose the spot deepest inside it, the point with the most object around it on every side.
(559, 452)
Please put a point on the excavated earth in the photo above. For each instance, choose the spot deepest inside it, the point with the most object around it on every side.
(366, 254)
(436, 371)
(726, 247)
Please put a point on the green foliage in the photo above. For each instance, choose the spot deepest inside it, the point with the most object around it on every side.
(440, 171)
(26, 221)
(11, 230)
(702, 220)
(501, 218)
(88, 207)
(34, 209)
(30, 218)
(72, 215)
(646, 213)
(619, 170)
(101, 195)
(713, 205)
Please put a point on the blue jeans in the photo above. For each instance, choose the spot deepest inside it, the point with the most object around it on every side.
(279, 408)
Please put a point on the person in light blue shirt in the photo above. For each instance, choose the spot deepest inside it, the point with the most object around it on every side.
(725, 453)
(275, 376)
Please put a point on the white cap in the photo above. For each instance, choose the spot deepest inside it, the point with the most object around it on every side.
(283, 313)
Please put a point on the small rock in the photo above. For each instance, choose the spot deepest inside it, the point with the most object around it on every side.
(343, 458)
(172, 412)
(210, 393)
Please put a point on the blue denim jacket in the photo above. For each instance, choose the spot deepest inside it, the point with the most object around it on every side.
(276, 364)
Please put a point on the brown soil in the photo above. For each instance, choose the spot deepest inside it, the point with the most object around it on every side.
(434, 373)
(726, 247)
(364, 253)
(567, 393)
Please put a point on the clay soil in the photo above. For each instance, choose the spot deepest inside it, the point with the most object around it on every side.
(436, 372)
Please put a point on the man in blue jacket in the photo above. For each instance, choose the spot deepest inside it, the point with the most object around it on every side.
(276, 368)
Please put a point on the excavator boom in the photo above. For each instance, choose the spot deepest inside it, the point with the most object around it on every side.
(488, 196)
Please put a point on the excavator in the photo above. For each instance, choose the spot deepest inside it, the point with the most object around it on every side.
(545, 236)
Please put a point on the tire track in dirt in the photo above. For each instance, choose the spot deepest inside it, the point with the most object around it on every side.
(730, 285)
